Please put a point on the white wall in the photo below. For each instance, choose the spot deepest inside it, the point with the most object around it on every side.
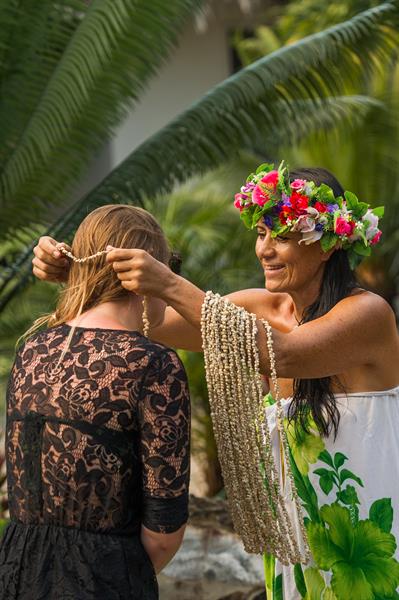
(200, 61)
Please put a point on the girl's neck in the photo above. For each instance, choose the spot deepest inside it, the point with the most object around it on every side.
(126, 315)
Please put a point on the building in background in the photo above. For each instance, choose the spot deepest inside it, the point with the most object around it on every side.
(203, 58)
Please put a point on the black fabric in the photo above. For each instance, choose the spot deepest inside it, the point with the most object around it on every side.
(97, 445)
(45, 562)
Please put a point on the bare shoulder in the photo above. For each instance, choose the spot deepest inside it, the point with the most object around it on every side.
(259, 301)
(368, 308)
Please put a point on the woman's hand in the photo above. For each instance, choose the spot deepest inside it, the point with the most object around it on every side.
(49, 263)
(161, 547)
(140, 273)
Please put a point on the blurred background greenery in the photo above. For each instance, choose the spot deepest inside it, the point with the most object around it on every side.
(316, 82)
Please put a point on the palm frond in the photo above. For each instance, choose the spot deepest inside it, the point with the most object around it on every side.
(32, 42)
(279, 97)
(76, 90)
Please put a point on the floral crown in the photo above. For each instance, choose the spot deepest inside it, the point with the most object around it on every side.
(302, 206)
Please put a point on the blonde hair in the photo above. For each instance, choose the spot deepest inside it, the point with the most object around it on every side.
(93, 282)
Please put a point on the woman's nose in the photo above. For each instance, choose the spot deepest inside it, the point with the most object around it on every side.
(267, 246)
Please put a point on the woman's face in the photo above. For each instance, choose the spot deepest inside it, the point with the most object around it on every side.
(288, 266)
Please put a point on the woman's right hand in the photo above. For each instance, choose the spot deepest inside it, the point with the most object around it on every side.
(49, 263)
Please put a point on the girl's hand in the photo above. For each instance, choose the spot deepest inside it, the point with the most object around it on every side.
(140, 273)
(49, 263)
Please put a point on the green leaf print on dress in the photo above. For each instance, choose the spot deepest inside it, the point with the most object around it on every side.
(305, 447)
(359, 556)
(353, 559)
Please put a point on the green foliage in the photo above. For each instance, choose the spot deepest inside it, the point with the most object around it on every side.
(294, 21)
(328, 241)
(69, 72)
(314, 584)
(3, 525)
(366, 157)
(280, 99)
(300, 580)
(381, 513)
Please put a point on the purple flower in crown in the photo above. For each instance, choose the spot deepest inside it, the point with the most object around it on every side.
(332, 208)
(276, 209)
(285, 200)
(268, 221)
(248, 187)
(319, 227)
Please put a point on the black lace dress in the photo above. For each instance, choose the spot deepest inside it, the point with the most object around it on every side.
(95, 448)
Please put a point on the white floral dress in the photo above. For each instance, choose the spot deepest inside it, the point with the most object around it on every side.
(349, 489)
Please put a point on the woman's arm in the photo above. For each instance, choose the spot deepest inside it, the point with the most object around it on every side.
(177, 332)
(355, 333)
(181, 328)
(50, 265)
(161, 547)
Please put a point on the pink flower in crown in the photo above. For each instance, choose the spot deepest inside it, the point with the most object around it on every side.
(238, 198)
(344, 227)
(268, 183)
(298, 184)
(376, 238)
(259, 196)
(270, 178)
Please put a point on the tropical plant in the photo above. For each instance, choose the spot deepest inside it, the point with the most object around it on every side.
(69, 71)
(201, 224)
(293, 21)
(283, 97)
(366, 157)
(294, 94)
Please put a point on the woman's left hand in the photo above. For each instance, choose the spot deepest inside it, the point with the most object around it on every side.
(139, 272)
(142, 274)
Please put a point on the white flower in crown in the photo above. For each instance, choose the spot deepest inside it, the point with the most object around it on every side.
(309, 226)
(371, 222)
(357, 232)
(310, 237)
(307, 222)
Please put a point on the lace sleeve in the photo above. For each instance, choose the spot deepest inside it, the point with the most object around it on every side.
(164, 414)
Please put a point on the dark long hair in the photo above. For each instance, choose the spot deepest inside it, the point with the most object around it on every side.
(314, 397)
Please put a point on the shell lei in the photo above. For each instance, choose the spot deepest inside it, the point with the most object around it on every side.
(242, 434)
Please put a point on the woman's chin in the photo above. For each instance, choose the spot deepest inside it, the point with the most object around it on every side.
(274, 286)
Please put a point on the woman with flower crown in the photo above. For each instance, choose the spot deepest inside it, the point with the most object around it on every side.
(98, 424)
(311, 470)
